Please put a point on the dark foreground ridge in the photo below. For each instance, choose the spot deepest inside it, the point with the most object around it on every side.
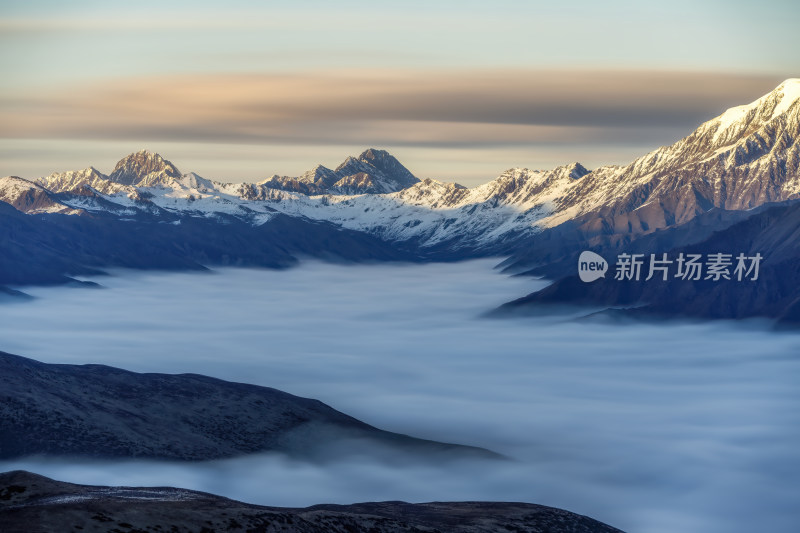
(104, 412)
(30, 503)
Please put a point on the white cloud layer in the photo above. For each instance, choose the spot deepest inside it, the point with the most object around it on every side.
(651, 428)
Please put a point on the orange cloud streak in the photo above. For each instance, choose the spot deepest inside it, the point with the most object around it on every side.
(393, 107)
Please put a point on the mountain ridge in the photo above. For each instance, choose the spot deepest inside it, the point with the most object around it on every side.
(29, 501)
(372, 172)
(144, 169)
(188, 417)
(747, 156)
(772, 232)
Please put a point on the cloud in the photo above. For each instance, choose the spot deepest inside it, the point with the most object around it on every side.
(651, 428)
(483, 107)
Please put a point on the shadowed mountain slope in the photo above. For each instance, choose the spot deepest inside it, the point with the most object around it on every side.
(104, 412)
(773, 232)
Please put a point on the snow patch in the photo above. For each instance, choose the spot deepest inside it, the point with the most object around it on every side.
(791, 94)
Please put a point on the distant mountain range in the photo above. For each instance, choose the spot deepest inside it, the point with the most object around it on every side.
(29, 502)
(372, 207)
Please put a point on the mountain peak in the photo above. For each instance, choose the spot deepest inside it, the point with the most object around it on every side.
(90, 173)
(374, 171)
(320, 175)
(30, 197)
(790, 93)
(144, 168)
(349, 161)
(770, 106)
(576, 170)
(371, 154)
(790, 81)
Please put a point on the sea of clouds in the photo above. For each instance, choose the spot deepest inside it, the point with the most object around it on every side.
(652, 428)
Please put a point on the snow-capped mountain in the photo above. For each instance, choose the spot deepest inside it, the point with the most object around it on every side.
(373, 172)
(318, 180)
(746, 157)
(144, 169)
(435, 214)
(76, 181)
(743, 158)
(31, 198)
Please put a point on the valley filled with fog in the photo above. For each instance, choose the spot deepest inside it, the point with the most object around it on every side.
(652, 428)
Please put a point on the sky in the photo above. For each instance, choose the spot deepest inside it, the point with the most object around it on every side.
(458, 91)
(652, 428)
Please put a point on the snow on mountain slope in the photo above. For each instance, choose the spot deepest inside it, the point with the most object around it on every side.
(747, 156)
(315, 181)
(731, 164)
(31, 198)
(75, 180)
(372, 172)
(432, 212)
(144, 169)
(159, 186)
(196, 182)
(436, 212)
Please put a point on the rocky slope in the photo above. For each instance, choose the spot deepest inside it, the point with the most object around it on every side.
(76, 181)
(104, 412)
(372, 172)
(144, 169)
(32, 504)
(31, 198)
(745, 157)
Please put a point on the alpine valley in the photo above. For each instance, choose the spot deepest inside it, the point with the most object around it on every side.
(726, 176)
